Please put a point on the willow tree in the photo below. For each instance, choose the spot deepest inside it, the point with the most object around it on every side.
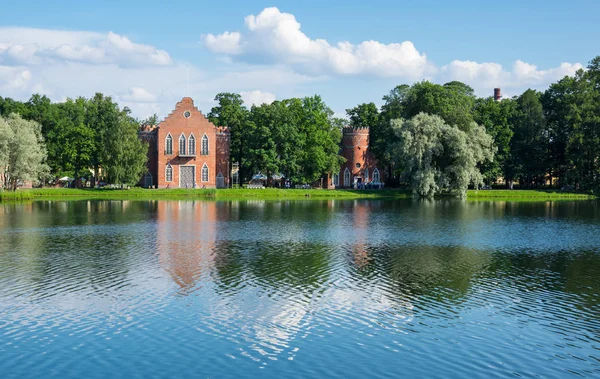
(440, 158)
(22, 151)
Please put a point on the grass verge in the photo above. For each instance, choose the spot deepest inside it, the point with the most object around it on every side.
(526, 195)
(268, 194)
(213, 194)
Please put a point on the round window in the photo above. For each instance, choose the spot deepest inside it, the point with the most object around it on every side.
(187, 114)
(358, 165)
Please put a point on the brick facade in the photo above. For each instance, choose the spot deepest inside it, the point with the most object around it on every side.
(183, 162)
(361, 166)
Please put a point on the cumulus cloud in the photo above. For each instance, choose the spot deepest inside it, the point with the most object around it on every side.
(138, 95)
(277, 37)
(39, 46)
(487, 75)
(227, 43)
(257, 97)
(14, 79)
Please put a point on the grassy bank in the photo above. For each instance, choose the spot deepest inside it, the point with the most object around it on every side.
(524, 195)
(221, 194)
(268, 194)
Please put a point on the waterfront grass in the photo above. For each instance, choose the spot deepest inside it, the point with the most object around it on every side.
(527, 195)
(213, 194)
(268, 194)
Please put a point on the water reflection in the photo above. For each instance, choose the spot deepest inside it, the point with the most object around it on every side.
(271, 282)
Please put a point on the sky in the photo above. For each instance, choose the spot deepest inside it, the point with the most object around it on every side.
(149, 54)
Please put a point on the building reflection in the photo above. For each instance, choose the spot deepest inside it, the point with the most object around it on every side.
(186, 240)
(360, 232)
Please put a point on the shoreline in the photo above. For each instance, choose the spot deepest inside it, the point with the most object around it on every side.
(271, 194)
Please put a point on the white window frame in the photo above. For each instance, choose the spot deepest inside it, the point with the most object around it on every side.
(184, 144)
(191, 145)
(376, 175)
(204, 166)
(169, 167)
(366, 174)
(169, 144)
(203, 150)
(335, 179)
(347, 178)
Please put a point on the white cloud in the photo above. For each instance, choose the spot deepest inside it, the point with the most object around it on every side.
(138, 95)
(278, 58)
(485, 76)
(40, 46)
(257, 97)
(14, 79)
(276, 37)
(227, 43)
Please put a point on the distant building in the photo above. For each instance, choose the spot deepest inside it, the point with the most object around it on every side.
(361, 168)
(186, 150)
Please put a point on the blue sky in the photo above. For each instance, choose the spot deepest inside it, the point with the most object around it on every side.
(348, 52)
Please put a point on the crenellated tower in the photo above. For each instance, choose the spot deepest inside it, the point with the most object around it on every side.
(360, 167)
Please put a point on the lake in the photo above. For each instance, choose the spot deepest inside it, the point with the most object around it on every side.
(311, 289)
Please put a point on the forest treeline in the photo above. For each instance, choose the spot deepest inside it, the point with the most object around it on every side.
(433, 138)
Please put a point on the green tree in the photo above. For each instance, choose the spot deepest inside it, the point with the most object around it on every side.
(583, 149)
(439, 158)
(453, 102)
(102, 116)
(77, 139)
(558, 102)
(382, 135)
(126, 154)
(152, 120)
(496, 117)
(22, 151)
(529, 145)
(363, 115)
(231, 112)
(322, 139)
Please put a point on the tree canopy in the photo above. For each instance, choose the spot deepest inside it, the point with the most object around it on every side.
(22, 151)
(437, 157)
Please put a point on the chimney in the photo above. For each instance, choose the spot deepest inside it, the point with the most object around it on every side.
(497, 94)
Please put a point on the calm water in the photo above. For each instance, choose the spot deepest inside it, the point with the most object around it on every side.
(341, 289)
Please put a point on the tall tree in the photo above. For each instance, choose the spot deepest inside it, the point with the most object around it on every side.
(231, 112)
(529, 144)
(558, 102)
(496, 118)
(364, 115)
(437, 157)
(126, 154)
(583, 149)
(102, 116)
(22, 151)
(76, 139)
(453, 102)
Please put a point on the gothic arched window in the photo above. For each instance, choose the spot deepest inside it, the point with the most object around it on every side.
(169, 145)
(191, 145)
(347, 178)
(204, 173)
(182, 144)
(376, 175)
(169, 173)
(205, 145)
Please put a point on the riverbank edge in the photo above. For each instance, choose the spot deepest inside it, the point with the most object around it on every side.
(271, 194)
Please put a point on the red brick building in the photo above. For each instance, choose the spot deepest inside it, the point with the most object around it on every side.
(186, 151)
(361, 167)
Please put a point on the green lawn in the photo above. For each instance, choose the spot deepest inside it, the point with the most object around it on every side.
(525, 195)
(221, 194)
(268, 194)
